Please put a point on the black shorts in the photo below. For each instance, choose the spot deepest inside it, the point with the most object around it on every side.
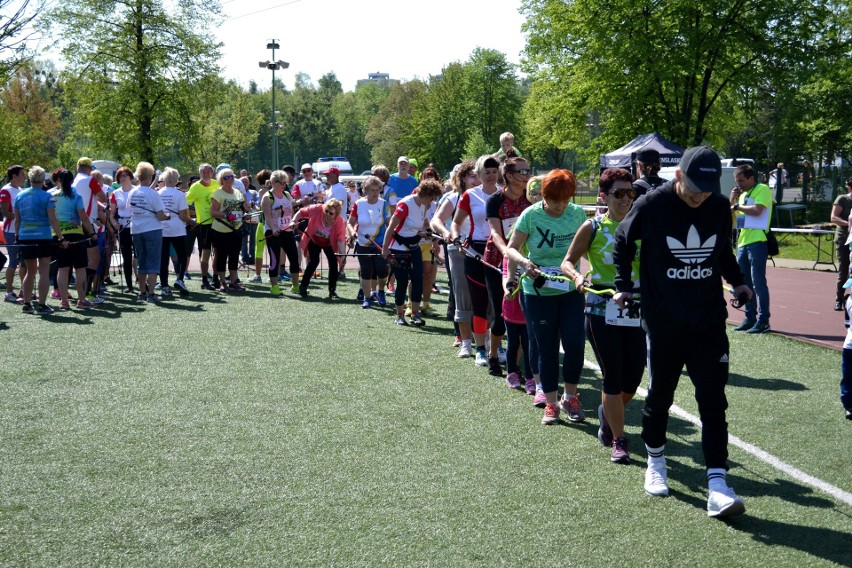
(75, 255)
(36, 248)
(202, 232)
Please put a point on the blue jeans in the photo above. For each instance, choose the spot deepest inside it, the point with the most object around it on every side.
(555, 318)
(752, 260)
(148, 247)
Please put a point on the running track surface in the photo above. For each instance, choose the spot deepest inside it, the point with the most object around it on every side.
(801, 306)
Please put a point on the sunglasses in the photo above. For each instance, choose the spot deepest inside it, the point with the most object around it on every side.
(227, 177)
(619, 193)
(523, 172)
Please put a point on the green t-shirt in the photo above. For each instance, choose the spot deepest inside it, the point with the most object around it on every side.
(199, 197)
(845, 203)
(602, 269)
(760, 194)
(548, 239)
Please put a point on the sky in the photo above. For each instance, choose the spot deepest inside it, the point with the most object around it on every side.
(355, 37)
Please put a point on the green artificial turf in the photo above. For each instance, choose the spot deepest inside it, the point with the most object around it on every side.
(258, 431)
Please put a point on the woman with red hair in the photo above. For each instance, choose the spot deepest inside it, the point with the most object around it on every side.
(554, 305)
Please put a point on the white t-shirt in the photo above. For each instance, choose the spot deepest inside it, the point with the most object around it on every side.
(413, 219)
(119, 197)
(338, 191)
(12, 191)
(304, 188)
(282, 213)
(371, 218)
(174, 201)
(144, 203)
(88, 188)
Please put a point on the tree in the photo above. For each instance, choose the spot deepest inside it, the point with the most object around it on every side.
(29, 125)
(392, 131)
(15, 19)
(662, 66)
(494, 93)
(137, 74)
(234, 126)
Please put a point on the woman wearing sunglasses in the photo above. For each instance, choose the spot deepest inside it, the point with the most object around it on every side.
(227, 207)
(617, 339)
(326, 231)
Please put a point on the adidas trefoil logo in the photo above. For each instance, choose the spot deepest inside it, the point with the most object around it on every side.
(693, 252)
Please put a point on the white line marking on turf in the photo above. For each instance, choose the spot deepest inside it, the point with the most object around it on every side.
(793, 472)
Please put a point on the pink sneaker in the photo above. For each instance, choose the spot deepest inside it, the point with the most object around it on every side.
(84, 303)
(551, 414)
(571, 406)
(529, 386)
(514, 381)
(540, 400)
(55, 294)
(64, 305)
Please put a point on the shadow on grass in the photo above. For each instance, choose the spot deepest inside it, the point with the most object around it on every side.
(744, 381)
(3, 326)
(828, 544)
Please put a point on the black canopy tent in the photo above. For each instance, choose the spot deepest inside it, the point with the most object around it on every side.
(670, 153)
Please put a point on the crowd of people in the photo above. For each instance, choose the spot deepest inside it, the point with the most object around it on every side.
(512, 244)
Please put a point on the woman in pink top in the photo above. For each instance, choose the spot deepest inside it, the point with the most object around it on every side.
(326, 231)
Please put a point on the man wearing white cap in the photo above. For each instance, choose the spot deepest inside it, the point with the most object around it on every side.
(685, 231)
(92, 193)
(400, 184)
(306, 189)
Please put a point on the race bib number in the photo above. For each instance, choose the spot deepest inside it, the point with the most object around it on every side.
(508, 225)
(551, 281)
(616, 316)
(284, 222)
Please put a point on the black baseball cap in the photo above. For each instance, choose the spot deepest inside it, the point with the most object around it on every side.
(702, 168)
(649, 156)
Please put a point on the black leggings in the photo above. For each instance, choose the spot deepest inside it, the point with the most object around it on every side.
(314, 260)
(227, 248)
(285, 240)
(517, 340)
(125, 245)
(411, 268)
(620, 352)
(165, 256)
(371, 266)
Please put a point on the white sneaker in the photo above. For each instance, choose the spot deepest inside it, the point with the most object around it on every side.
(655, 479)
(501, 354)
(97, 300)
(465, 351)
(481, 359)
(257, 278)
(724, 503)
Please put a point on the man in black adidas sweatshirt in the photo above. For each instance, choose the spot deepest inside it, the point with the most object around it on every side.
(685, 230)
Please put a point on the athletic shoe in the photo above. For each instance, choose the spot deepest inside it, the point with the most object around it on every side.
(529, 386)
(341, 276)
(258, 279)
(848, 414)
(223, 288)
(27, 307)
(746, 325)
(724, 503)
(481, 358)
(655, 478)
(158, 287)
(540, 401)
(184, 291)
(435, 289)
(154, 298)
(390, 287)
(275, 290)
(44, 310)
(64, 305)
(187, 276)
(400, 320)
(380, 299)
(84, 303)
(294, 288)
(10, 297)
(457, 341)
(571, 406)
(426, 310)
(760, 327)
(207, 286)
(216, 283)
(619, 451)
(333, 296)
(303, 292)
(465, 351)
(494, 368)
(130, 290)
(513, 381)
(284, 275)
(366, 304)
(417, 320)
(604, 431)
(360, 296)
(55, 294)
(96, 300)
(108, 281)
(838, 306)
(551, 414)
(501, 354)
(374, 297)
(236, 286)
(143, 297)
(166, 291)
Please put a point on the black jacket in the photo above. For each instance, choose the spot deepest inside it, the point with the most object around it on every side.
(685, 253)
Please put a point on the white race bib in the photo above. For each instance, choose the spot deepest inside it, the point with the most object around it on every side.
(550, 282)
(616, 316)
(508, 225)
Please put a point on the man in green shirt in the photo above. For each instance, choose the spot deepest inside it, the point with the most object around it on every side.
(751, 204)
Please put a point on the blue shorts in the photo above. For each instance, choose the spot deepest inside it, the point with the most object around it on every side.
(148, 247)
(14, 252)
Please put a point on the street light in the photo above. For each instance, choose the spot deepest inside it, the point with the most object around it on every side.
(273, 66)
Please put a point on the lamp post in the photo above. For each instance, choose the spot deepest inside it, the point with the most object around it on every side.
(273, 66)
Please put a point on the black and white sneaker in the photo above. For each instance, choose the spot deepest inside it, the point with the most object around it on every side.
(184, 291)
(400, 320)
(417, 320)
